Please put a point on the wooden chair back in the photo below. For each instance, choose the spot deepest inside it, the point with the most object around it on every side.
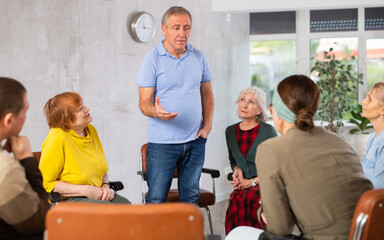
(166, 221)
(144, 159)
(37, 155)
(368, 219)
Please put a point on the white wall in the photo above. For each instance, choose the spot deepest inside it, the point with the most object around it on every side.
(84, 46)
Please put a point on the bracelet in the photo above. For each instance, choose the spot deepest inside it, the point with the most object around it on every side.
(105, 183)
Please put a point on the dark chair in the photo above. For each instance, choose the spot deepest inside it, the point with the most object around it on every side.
(54, 197)
(230, 176)
(167, 221)
(207, 198)
(368, 220)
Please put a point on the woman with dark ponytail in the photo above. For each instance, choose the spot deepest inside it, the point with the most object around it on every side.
(308, 176)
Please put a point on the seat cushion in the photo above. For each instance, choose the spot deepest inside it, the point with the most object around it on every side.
(206, 198)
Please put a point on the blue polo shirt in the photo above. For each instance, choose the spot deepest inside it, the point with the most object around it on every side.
(177, 83)
(373, 160)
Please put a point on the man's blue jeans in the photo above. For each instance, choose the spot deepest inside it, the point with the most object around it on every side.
(163, 159)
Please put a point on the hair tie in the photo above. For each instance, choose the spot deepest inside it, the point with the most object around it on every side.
(281, 109)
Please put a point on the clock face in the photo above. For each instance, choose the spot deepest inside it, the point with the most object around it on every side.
(143, 27)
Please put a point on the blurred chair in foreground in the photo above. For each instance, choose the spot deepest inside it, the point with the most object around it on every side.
(167, 221)
(368, 220)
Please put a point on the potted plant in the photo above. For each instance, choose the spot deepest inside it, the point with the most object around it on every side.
(338, 82)
(362, 123)
(359, 134)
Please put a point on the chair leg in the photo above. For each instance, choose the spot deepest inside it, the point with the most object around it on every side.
(209, 219)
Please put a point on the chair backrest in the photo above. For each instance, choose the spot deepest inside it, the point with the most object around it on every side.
(368, 219)
(166, 221)
(143, 155)
(37, 155)
(144, 158)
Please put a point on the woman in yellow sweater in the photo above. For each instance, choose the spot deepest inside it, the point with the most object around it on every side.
(72, 158)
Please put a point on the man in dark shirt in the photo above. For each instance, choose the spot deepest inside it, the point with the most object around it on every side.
(23, 200)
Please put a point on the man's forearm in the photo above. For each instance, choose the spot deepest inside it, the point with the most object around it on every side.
(146, 101)
(208, 107)
(147, 109)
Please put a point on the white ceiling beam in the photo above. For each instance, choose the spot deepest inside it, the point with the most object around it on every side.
(288, 5)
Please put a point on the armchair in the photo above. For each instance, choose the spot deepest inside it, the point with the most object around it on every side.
(207, 198)
(54, 197)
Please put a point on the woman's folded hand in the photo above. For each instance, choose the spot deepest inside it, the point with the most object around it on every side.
(107, 194)
(93, 192)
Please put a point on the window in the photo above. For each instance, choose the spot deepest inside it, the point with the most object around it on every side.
(343, 48)
(357, 32)
(375, 62)
(271, 61)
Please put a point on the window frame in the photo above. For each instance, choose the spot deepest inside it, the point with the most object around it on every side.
(303, 37)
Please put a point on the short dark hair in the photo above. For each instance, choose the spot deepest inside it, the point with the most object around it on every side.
(174, 11)
(12, 95)
(61, 109)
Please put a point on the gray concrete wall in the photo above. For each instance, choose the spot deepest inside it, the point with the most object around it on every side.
(53, 46)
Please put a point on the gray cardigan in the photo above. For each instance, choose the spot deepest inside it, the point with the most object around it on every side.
(236, 158)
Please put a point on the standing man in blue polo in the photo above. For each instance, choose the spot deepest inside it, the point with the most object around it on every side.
(176, 94)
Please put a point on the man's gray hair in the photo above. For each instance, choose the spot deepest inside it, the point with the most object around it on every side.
(174, 11)
(261, 99)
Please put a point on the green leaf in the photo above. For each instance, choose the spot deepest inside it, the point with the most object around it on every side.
(356, 115)
(353, 121)
(352, 131)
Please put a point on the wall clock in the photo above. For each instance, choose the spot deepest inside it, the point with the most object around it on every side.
(143, 27)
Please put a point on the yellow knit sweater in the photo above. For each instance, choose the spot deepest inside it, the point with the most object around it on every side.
(68, 157)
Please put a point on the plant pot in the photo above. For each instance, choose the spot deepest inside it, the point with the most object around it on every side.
(359, 143)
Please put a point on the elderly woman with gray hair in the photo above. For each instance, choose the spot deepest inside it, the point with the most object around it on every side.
(242, 141)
